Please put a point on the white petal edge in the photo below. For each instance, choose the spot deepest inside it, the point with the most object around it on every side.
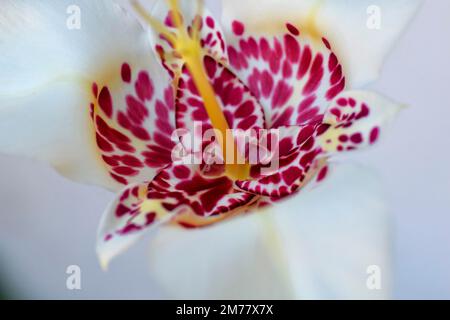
(344, 23)
(316, 245)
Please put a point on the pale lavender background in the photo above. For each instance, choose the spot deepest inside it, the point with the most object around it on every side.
(48, 223)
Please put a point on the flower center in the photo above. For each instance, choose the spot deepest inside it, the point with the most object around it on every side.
(187, 45)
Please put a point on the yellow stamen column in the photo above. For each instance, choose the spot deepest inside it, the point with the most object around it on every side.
(188, 46)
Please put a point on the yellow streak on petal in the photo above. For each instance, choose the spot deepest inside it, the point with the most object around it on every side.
(329, 141)
(275, 247)
(237, 170)
(310, 25)
(272, 25)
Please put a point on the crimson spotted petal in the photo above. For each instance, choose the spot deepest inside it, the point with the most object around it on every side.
(357, 119)
(293, 75)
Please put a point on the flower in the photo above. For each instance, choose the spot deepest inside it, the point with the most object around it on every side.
(106, 106)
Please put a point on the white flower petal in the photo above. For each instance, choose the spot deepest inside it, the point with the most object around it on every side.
(40, 42)
(53, 125)
(351, 26)
(318, 244)
(49, 108)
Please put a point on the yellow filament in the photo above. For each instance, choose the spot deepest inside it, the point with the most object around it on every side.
(190, 50)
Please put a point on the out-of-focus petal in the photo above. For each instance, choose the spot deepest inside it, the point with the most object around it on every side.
(315, 245)
(360, 32)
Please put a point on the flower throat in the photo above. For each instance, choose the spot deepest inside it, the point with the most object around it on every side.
(187, 44)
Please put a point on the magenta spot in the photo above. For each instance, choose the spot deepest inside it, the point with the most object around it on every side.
(322, 174)
(316, 75)
(326, 43)
(334, 91)
(181, 172)
(210, 22)
(245, 109)
(356, 138)
(131, 161)
(125, 171)
(210, 66)
(374, 135)
(305, 62)
(292, 29)
(332, 62)
(238, 28)
(292, 48)
(343, 138)
(103, 144)
(336, 76)
(342, 102)
(95, 89)
(248, 122)
(136, 110)
(282, 94)
(126, 73)
(105, 101)
(144, 86)
(110, 161)
(305, 134)
(119, 179)
(121, 210)
(150, 218)
(266, 84)
(291, 175)
(365, 111)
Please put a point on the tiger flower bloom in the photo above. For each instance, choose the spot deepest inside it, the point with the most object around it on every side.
(101, 102)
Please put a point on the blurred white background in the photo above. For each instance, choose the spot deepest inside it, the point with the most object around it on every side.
(48, 223)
